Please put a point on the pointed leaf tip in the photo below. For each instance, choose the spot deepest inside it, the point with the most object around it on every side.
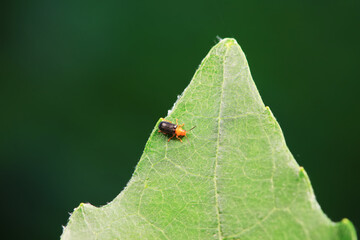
(233, 178)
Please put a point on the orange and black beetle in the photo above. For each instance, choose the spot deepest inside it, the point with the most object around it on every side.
(169, 128)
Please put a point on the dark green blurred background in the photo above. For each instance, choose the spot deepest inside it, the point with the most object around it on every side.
(83, 83)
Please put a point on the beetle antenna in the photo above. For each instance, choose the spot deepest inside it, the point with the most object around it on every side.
(191, 128)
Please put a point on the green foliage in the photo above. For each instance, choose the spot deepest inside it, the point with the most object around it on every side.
(233, 178)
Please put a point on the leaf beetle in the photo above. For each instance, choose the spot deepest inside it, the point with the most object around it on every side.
(168, 128)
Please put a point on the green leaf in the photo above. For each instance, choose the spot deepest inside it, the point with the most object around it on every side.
(233, 178)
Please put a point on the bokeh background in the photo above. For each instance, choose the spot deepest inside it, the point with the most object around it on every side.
(84, 82)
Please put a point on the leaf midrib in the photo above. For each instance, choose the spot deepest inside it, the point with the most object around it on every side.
(217, 149)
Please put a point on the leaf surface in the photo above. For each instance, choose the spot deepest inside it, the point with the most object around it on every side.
(233, 178)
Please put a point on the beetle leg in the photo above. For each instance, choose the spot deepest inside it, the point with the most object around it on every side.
(179, 138)
(172, 137)
(163, 119)
(178, 123)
